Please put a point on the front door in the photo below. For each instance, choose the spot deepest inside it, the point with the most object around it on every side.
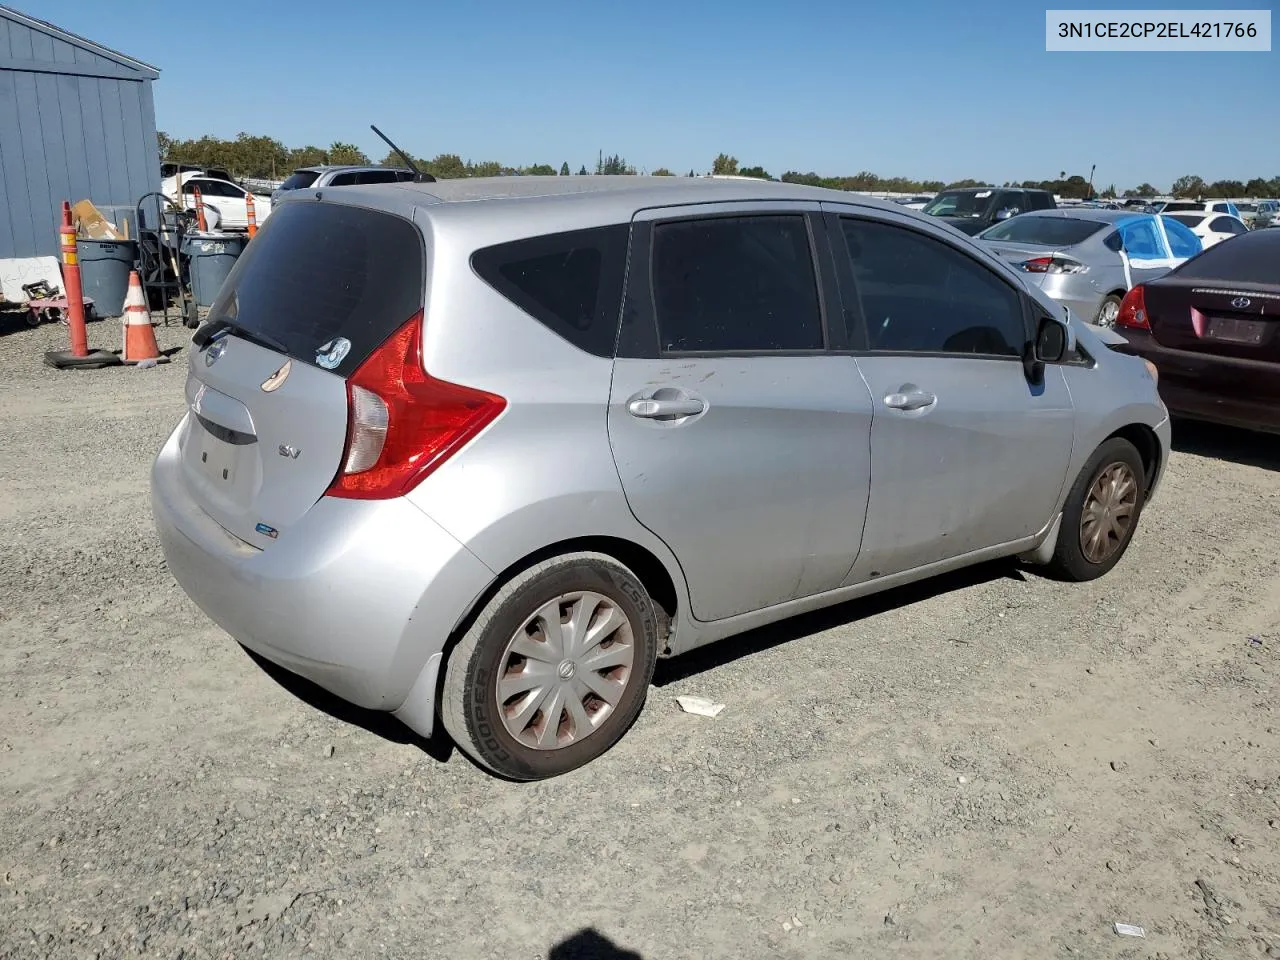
(965, 452)
(739, 440)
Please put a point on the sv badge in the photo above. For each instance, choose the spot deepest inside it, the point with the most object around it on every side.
(287, 451)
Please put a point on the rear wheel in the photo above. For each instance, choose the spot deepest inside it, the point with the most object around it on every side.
(1101, 512)
(554, 669)
(1108, 311)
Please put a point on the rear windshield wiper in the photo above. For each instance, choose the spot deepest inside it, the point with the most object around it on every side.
(212, 328)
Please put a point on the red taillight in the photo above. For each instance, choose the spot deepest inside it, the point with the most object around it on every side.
(1133, 310)
(1054, 264)
(402, 422)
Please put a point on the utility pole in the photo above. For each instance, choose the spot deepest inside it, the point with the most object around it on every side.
(1091, 169)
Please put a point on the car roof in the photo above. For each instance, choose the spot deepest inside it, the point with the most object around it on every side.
(342, 168)
(1099, 214)
(514, 205)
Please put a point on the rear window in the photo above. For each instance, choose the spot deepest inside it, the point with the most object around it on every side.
(1176, 205)
(299, 179)
(1044, 231)
(1250, 258)
(317, 271)
(570, 282)
(1186, 219)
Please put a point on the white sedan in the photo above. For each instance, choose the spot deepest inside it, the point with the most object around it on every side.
(1211, 228)
(225, 199)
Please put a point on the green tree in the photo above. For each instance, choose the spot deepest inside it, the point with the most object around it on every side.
(540, 170)
(1142, 190)
(1188, 186)
(1226, 188)
(486, 168)
(564, 169)
(662, 172)
(446, 166)
(615, 166)
(962, 184)
(724, 166)
(691, 173)
(165, 142)
(346, 153)
(1110, 192)
(582, 171)
(1257, 187)
(757, 172)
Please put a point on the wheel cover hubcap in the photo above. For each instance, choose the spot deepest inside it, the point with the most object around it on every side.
(1110, 310)
(1108, 512)
(565, 670)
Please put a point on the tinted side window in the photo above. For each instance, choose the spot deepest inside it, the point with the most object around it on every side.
(376, 176)
(1225, 225)
(342, 180)
(920, 295)
(736, 283)
(571, 282)
(1041, 201)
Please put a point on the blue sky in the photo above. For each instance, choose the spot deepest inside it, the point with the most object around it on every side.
(921, 89)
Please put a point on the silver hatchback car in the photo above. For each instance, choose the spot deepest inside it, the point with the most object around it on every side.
(479, 452)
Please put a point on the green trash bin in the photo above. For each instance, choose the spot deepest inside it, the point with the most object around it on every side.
(210, 257)
(104, 273)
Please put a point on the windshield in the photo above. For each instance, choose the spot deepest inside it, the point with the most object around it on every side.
(1247, 207)
(299, 179)
(959, 203)
(1043, 231)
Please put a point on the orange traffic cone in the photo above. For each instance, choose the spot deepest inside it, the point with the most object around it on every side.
(200, 220)
(250, 214)
(139, 337)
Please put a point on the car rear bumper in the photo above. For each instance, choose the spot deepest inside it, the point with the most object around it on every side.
(358, 596)
(1232, 391)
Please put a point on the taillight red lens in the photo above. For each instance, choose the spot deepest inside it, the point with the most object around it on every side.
(403, 423)
(1037, 264)
(1133, 310)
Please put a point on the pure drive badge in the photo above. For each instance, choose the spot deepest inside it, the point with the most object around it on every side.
(333, 352)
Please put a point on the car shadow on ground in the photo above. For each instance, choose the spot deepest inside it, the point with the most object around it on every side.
(756, 641)
(1227, 443)
(378, 722)
(439, 747)
(590, 945)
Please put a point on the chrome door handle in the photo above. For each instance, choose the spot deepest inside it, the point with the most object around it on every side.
(656, 409)
(912, 400)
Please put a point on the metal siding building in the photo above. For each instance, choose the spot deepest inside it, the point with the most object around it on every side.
(77, 121)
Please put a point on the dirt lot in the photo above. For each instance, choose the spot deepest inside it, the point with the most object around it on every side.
(991, 766)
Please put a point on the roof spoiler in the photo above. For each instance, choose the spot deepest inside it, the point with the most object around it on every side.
(418, 175)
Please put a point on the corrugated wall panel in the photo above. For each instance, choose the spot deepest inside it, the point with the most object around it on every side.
(66, 137)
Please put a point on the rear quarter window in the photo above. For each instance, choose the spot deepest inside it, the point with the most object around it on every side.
(569, 282)
(317, 271)
(299, 180)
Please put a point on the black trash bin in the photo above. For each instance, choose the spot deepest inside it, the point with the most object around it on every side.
(104, 273)
(211, 257)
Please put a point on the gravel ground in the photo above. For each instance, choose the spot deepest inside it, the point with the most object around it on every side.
(992, 765)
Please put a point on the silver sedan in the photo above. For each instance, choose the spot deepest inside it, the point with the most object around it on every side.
(1089, 258)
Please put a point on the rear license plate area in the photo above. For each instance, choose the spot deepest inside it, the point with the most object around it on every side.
(1235, 330)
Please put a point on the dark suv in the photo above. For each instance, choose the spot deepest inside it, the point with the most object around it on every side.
(973, 209)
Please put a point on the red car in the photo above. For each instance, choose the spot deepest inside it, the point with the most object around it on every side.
(1212, 328)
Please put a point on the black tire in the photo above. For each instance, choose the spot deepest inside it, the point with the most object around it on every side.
(469, 706)
(1111, 298)
(1069, 560)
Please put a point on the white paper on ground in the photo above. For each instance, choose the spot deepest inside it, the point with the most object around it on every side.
(1130, 930)
(700, 706)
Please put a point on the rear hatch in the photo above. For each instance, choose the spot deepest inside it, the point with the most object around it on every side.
(1226, 301)
(321, 286)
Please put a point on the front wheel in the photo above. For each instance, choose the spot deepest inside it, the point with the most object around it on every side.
(554, 669)
(1101, 512)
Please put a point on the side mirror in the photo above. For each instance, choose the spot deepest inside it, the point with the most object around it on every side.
(1053, 340)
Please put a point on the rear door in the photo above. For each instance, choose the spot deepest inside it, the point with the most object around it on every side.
(965, 452)
(320, 287)
(740, 440)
